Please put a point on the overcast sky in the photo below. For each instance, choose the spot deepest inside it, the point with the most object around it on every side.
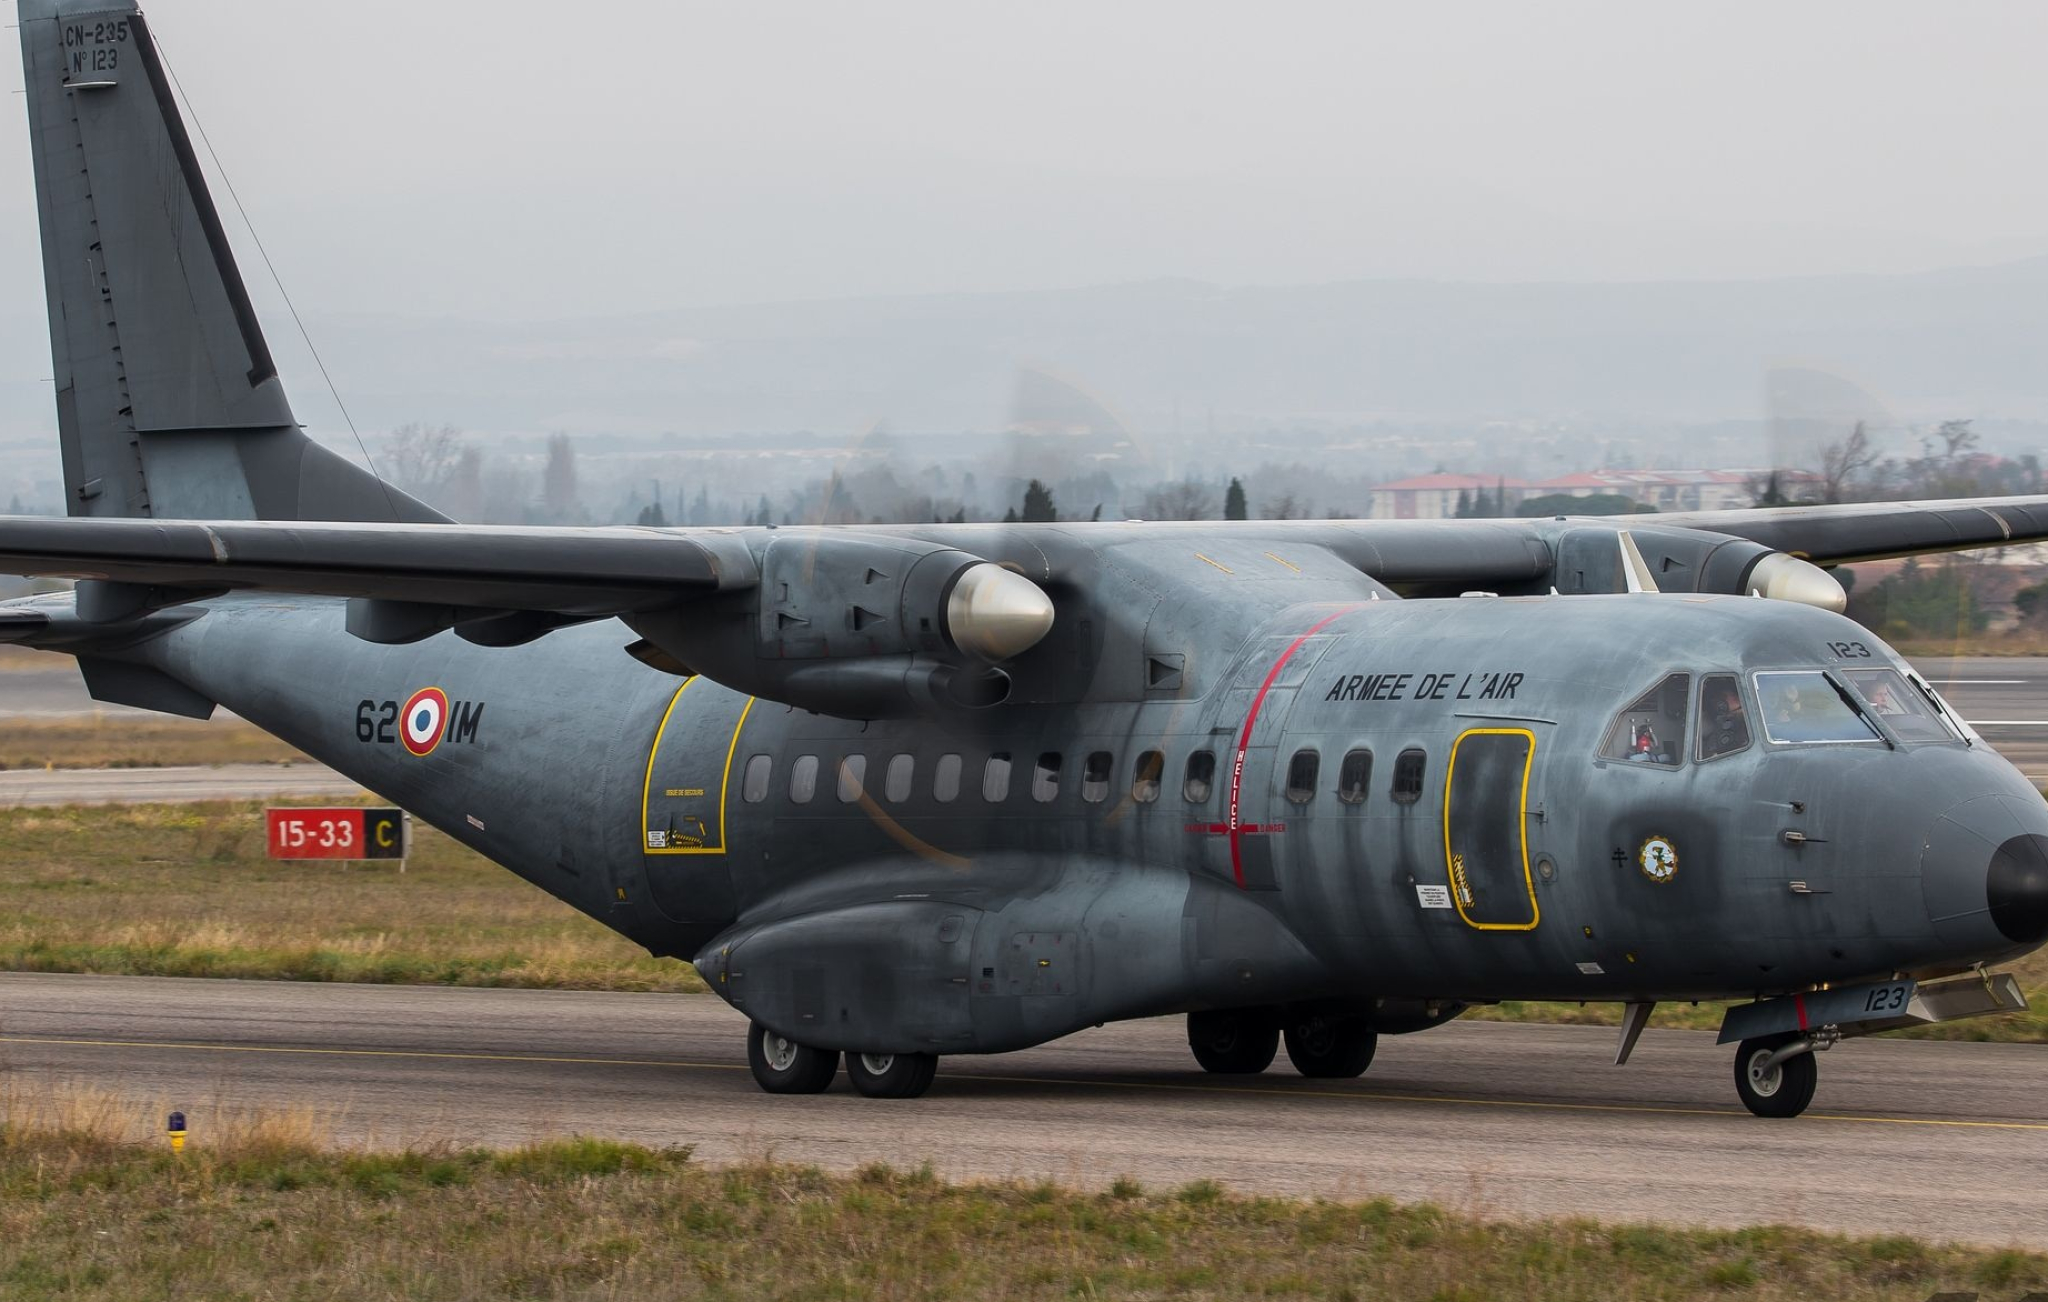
(516, 159)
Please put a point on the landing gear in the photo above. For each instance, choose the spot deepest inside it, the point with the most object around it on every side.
(891, 1075)
(1771, 1085)
(1234, 1041)
(1329, 1047)
(782, 1066)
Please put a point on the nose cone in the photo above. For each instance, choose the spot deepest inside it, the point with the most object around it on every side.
(2018, 888)
(1985, 875)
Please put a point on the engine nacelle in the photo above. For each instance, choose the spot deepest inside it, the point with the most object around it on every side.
(862, 626)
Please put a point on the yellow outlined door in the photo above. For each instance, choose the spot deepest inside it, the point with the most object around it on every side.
(1486, 828)
(691, 767)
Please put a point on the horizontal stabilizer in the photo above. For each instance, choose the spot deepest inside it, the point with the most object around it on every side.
(588, 572)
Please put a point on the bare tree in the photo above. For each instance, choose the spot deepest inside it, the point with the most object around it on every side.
(1284, 507)
(1187, 499)
(1843, 462)
(558, 499)
(421, 460)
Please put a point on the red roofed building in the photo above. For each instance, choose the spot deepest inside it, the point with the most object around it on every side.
(1435, 497)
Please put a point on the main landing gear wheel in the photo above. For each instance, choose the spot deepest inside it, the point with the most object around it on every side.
(891, 1075)
(1234, 1041)
(1330, 1048)
(782, 1066)
(1782, 1089)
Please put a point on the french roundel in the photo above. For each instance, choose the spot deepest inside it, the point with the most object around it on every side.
(424, 719)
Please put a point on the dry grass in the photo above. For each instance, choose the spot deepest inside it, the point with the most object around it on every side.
(186, 890)
(128, 741)
(94, 1206)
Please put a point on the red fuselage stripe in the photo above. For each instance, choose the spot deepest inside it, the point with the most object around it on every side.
(1236, 828)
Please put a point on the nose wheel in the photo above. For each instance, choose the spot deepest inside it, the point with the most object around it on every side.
(1773, 1082)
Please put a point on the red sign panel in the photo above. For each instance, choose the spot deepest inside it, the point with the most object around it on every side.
(345, 832)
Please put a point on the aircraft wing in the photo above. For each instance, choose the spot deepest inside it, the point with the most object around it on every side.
(1874, 531)
(568, 571)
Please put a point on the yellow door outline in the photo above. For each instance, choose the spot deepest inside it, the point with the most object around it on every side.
(1455, 870)
(724, 781)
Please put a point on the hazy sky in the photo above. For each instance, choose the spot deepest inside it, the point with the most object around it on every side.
(515, 159)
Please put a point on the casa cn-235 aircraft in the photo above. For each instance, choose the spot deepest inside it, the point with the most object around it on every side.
(903, 792)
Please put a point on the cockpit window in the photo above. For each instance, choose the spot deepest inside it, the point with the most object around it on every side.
(1898, 706)
(1652, 729)
(1803, 706)
(1724, 721)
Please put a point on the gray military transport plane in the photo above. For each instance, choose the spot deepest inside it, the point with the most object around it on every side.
(906, 792)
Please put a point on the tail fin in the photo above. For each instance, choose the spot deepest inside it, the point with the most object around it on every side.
(168, 402)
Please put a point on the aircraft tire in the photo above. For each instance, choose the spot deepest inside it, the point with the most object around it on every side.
(782, 1066)
(1234, 1041)
(891, 1075)
(1330, 1048)
(1785, 1090)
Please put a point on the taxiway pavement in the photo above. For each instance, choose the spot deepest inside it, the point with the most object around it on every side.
(1943, 1140)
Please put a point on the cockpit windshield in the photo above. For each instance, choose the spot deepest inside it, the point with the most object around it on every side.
(1805, 706)
(1724, 723)
(1652, 729)
(1898, 706)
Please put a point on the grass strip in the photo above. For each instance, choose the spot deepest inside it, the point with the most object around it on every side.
(259, 1210)
(129, 741)
(187, 890)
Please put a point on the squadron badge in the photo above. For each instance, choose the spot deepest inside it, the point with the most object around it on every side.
(1658, 859)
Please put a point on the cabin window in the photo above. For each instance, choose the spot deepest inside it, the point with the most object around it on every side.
(853, 775)
(946, 779)
(896, 783)
(1301, 776)
(1200, 778)
(803, 779)
(1095, 776)
(1652, 729)
(1898, 707)
(1145, 777)
(1045, 777)
(995, 778)
(1723, 719)
(1354, 776)
(1806, 707)
(1408, 767)
(754, 782)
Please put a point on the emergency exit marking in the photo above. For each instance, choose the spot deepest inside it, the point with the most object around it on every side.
(347, 832)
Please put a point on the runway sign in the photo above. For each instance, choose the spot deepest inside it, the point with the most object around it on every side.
(344, 832)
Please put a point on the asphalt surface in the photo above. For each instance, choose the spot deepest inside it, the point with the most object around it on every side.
(161, 786)
(1947, 1141)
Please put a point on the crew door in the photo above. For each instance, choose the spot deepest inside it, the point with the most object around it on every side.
(691, 771)
(1486, 828)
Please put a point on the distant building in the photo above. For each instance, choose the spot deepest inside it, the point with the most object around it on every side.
(1435, 497)
(1679, 490)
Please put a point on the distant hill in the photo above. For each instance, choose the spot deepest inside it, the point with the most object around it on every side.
(1969, 342)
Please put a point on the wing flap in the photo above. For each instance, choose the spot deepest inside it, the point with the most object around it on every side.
(1874, 531)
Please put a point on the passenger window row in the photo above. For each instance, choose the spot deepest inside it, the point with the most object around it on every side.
(1198, 778)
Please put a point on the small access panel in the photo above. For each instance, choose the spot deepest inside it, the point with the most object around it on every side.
(1486, 828)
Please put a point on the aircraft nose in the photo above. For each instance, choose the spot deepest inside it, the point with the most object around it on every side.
(2018, 888)
(1985, 873)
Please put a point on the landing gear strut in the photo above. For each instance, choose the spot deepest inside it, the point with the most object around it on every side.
(782, 1066)
(1775, 1075)
(1234, 1041)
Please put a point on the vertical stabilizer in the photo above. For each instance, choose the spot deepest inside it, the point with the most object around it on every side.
(168, 402)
